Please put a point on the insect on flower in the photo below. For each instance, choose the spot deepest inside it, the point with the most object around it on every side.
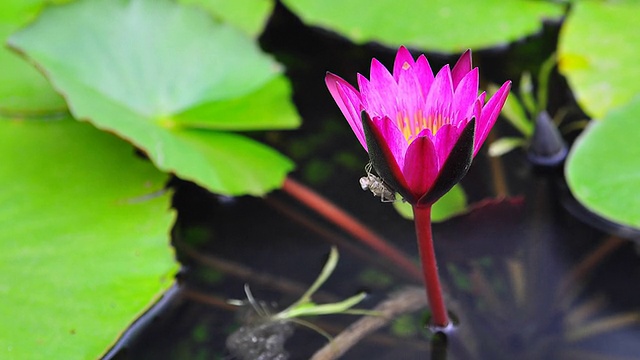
(421, 130)
(376, 185)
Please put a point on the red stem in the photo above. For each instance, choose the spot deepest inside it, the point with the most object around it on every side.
(422, 218)
(347, 222)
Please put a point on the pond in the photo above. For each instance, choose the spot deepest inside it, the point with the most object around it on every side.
(528, 272)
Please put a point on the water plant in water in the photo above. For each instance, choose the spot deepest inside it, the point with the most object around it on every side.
(527, 113)
(421, 132)
(264, 333)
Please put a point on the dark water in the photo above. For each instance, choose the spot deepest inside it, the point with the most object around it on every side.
(528, 273)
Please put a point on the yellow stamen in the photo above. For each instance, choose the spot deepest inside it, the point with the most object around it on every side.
(412, 126)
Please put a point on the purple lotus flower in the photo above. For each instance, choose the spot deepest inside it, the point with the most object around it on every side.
(421, 131)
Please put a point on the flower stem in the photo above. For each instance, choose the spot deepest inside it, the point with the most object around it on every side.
(422, 218)
(348, 223)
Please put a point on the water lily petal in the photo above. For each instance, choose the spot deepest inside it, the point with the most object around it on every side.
(383, 84)
(424, 74)
(402, 61)
(461, 68)
(392, 136)
(380, 77)
(379, 133)
(466, 94)
(420, 166)
(454, 168)
(489, 115)
(378, 101)
(426, 132)
(444, 141)
(440, 96)
(477, 108)
(332, 82)
(410, 98)
(421, 130)
(348, 100)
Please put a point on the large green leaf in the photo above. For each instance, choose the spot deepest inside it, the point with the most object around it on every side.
(603, 167)
(444, 25)
(248, 15)
(23, 90)
(598, 53)
(158, 73)
(83, 247)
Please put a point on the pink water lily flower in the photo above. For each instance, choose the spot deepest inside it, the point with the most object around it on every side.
(421, 131)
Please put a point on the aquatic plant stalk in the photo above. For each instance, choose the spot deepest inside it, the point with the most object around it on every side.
(421, 132)
(348, 223)
(422, 218)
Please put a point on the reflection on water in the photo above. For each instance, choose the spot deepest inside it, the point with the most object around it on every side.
(525, 279)
(529, 275)
(521, 294)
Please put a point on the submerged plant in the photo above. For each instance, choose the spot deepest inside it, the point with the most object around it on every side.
(421, 132)
(264, 333)
(527, 113)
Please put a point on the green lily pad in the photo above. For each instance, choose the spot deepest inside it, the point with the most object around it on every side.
(23, 90)
(597, 54)
(84, 248)
(451, 204)
(250, 16)
(442, 25)
(171, 80)
(603, 167)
